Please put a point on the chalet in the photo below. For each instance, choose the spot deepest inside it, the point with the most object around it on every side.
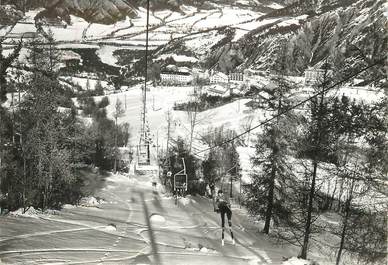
(176, 77)
(70, 58)
(217, 90)
(55, 22)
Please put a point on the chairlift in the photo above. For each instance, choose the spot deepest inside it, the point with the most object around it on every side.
(180, 178)
(180, 182)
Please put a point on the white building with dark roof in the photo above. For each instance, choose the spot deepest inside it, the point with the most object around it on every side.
(176, 77)
(236, 77)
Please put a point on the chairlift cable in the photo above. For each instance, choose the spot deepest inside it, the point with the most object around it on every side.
(146, 66)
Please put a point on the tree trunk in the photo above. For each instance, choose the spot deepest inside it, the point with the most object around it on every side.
(24, 184)
(341, 191)
(309, 213)
(345, 223)
(193, 121)
(268, 214)
(115, 158)
(333, 194)
(343, 233)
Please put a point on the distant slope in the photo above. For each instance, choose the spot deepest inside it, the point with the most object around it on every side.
(346, 33)
(349, 34)
(95, 11)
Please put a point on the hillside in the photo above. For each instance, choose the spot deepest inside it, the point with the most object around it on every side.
(337, 31)
(228, 106)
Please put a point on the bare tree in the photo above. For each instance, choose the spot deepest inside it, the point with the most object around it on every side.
(192, 111)
(247, 125)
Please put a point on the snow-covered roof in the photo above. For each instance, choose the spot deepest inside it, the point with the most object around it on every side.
(174, 73)
(220, 75)
(217, 89)
(69, 55)
(179, 58)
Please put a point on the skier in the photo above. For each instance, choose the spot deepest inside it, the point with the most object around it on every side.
(154, 182)
(223, 207)
(211, 187)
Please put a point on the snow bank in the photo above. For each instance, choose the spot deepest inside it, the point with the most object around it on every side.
(186, 201)
(90, 201)
(32, 212)
(68, 206)
(204, 250)
(156, 218)
(110, 228)
(297, 261)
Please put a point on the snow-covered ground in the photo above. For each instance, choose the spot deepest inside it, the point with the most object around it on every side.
(127, 222)
(83, 82)
(161, 99)
(136, 225)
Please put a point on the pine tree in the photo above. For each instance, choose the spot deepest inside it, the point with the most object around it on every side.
(209, 167)
(317, 147)
(350, 121)
(269, 188)
(5, 64)
(364, 229)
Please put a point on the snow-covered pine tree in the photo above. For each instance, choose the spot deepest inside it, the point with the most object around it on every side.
(209, 167)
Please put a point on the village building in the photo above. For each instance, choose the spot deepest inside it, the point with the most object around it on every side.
(313, 76)
(236, 77)
(70, 58)
(176, 77)
(218, 77)
(217, 90)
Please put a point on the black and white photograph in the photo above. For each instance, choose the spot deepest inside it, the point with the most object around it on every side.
(193, 132)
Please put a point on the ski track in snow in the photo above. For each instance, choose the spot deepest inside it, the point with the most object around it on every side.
(24, 236)
(124, 233)
(204, 233)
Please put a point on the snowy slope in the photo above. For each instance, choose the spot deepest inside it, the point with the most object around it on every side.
(136, 225)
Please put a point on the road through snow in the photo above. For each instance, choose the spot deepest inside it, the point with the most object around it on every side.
(134, 225)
